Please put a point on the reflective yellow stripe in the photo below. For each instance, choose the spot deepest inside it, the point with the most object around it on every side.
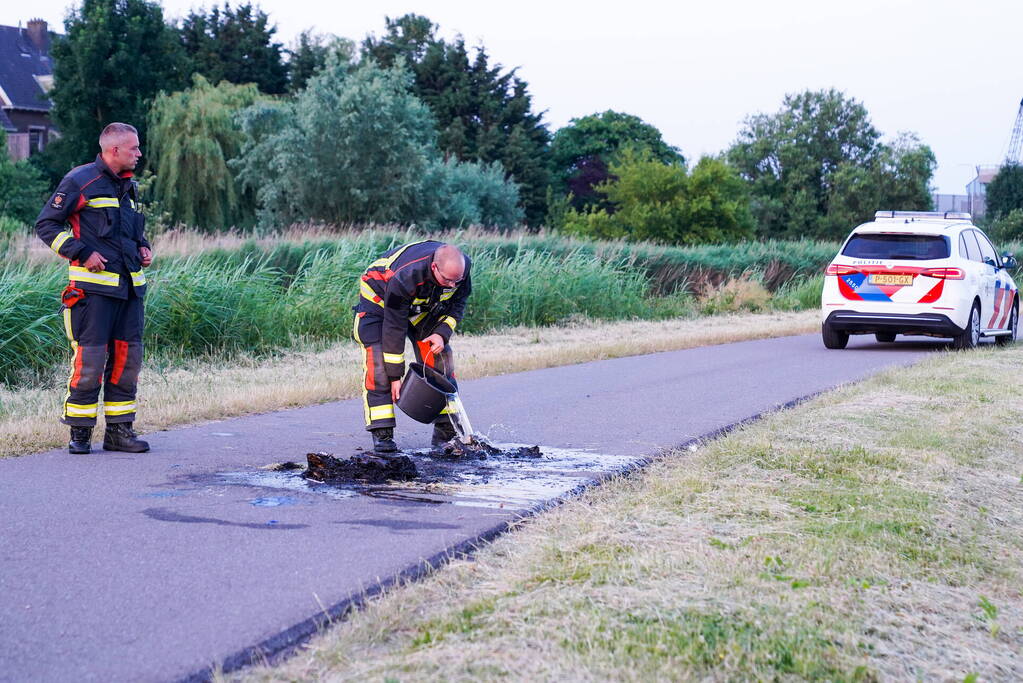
(416, 319)
(449, 321)
(118, 407)
(447, 411)
(416, 302)
(59, 240)
(103, 203)
(75, 410)
(381, 412)
(368, 293)
(394, 357)
(447, 295)
(386, 261)
(103, 277)
(138, 279)
(67, 327)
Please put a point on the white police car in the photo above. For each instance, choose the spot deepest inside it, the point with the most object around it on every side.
(919, 273)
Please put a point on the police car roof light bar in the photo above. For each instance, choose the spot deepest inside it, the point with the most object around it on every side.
(933, 215)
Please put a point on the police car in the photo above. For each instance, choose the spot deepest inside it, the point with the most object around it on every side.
(919, 273)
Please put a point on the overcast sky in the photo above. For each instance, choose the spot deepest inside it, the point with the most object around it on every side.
(948, 71)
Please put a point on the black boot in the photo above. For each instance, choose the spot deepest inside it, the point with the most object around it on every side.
(81, 440)
(443, 431)
(383, 440)
(121, 437)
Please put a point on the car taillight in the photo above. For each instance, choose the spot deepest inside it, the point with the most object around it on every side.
(839, 269)
(945, 273)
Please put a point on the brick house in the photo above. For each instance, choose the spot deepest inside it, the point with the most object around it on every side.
(26, 76)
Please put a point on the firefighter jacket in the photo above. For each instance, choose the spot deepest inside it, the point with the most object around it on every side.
(95, 210)
(399, 292)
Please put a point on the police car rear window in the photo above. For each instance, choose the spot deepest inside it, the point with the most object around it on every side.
(897, 247)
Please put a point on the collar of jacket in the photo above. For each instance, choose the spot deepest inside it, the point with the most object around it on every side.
(102, 166)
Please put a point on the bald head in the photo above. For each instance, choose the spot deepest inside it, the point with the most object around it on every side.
(448, 265)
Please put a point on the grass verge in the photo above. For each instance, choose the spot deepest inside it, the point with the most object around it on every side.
(186, 391)
(875, 532)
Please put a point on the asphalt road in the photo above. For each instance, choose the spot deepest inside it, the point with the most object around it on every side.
(117, 567)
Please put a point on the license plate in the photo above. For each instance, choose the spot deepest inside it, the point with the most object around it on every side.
(890, 279)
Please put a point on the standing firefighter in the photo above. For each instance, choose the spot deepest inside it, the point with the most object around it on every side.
(93, 221)
(417, 291)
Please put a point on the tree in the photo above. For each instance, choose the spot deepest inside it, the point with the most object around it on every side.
(235, 45)
(22, 187)
(482, 112)
(353, 147)
(790, 159)
(1005, 191)
(115, 56)
(309, 54)
(582, 150)
(717, 207)
(1006, 227)
(470, 193)
(193, 135)
(659, 202)
(408, 37)
(898, 177)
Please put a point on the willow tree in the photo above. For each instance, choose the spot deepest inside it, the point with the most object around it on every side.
(192, 136)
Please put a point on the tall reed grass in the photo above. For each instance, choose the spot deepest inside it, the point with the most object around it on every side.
(219, 303)
(667, 268)
(31, 329)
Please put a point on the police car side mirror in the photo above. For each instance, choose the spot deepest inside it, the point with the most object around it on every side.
(1009, 261)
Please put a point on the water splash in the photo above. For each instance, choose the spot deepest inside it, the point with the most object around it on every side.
(496, 482)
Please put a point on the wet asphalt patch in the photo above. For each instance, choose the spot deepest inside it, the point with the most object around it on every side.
(500, 476)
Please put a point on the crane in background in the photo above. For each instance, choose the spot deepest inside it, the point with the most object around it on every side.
(1016, 141)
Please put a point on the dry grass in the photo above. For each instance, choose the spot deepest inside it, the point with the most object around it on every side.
(873, 533)
(184, 242)
(176, 395)
(733, 295)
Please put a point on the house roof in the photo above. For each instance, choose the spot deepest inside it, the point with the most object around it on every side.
(6, 124)
(21, 62)
(985, 174)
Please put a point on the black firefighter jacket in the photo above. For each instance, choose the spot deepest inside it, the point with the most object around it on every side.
(399, 297)
(95, 210)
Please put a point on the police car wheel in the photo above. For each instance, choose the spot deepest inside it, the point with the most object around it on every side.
(833, 339)
(1013, 327)
(970, 336)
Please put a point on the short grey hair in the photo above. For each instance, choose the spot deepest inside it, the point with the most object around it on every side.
(114, 131)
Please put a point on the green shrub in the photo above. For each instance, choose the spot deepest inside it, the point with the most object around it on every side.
(1007, 227)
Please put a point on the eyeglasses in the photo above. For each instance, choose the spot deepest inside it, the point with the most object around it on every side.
(442, 279)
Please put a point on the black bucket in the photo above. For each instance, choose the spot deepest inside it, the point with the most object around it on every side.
(424, 393)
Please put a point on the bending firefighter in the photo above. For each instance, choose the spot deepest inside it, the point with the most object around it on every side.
(92, 220)
(416, 291)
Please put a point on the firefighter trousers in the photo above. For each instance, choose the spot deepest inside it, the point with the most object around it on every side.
(106, 343)
(378, 407)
